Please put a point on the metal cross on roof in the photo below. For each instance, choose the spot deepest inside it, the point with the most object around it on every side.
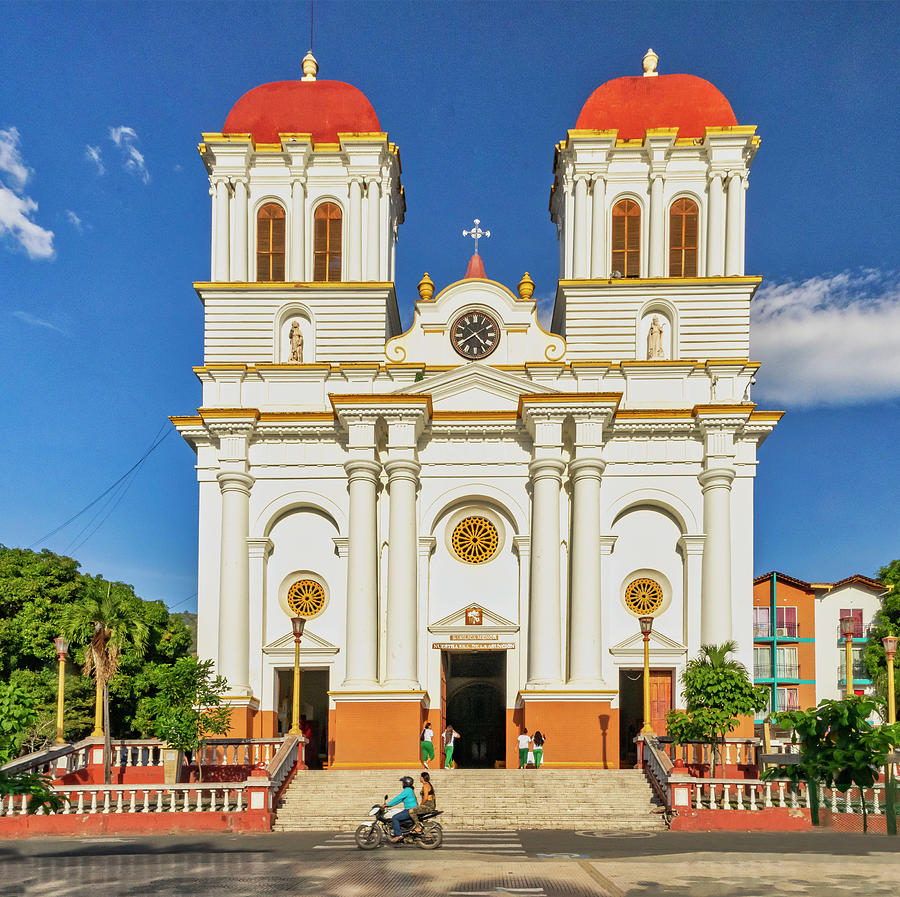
(476, 233)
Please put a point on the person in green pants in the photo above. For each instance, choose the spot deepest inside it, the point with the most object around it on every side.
(524, 741)
(538, 742)
(449, 737)
(427, 740)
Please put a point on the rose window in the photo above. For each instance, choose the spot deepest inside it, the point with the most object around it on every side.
(306, 598)
(644, 597)
(475, 540)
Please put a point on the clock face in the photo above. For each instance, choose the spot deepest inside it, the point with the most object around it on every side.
(475, 335)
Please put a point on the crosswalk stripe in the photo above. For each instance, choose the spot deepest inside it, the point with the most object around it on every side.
(506, 843)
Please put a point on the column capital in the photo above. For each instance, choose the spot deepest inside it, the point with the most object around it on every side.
(716, 173)
(581, 177)
(402, 469)
(735, 173)
(235, 481)
(522, 545)
(657, 176)
(692, 544)
(597, 178)
(363, 469)
(607, 544)
(298, 179)
(426, 546)
(243, 180)
(717, 477)
(586, 468)
(373, 179)
(341, 546)
(541, 468)
(259, 547)
(357, 179)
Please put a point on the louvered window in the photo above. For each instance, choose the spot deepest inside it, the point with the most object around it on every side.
(270, 243)
(683, 227)
(327, 249)
(626, 238)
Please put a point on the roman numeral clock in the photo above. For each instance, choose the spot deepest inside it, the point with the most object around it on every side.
(475, 335)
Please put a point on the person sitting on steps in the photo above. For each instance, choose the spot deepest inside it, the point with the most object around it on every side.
(408, 796)
(428, 803)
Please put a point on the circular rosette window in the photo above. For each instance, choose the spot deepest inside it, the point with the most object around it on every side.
(644, 596)
(306, 598)
(475, 540)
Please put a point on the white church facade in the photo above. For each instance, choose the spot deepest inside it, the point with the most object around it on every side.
(472, 514)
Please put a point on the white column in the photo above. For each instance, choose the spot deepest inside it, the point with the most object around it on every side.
(585, 618)
(222, 233)
(598, 228)
(373, 235)
(608, 604)
(214, 223)
(298, 229)
(657, 227)
(258, 551)
(522, 545)
(362, 575)
(354, 268)
(426, 546)
(715, 600)
(733, 228)
(692, 553)
(581, 232)
(715, 227)
(402, 608)
(234, 581)
(241, 247)
(544, 655)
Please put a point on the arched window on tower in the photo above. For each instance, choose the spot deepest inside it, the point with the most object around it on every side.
(684, 219)
(270, 242)
(327, 243)
(626, 238)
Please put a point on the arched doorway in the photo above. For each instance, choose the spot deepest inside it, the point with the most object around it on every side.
(477, 711)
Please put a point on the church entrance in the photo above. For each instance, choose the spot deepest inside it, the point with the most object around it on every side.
(475, 705)
(313, 710)
(631, 708)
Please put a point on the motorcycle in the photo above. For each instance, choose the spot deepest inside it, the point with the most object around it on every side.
(378, 829)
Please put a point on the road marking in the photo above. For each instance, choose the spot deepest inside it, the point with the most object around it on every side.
(506, 843)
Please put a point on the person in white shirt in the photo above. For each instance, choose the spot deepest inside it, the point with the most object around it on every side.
(427, 745)
(449, 738)
(524, 744)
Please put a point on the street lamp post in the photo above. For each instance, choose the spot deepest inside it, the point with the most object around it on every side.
(646, 628)
(890, 649)
(62, 646)
(297, 624)
(847, 633)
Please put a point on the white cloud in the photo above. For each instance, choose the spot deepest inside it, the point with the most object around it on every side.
(36, 322)
(74, 220)
(11, 160)
(16, 208)
(828, 340)
(125, 139)
(93, 154)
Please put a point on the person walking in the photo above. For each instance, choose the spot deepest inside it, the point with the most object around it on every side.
(427, 744)
(427, 804)
(449, 738)
(538, 742)
(524, 744)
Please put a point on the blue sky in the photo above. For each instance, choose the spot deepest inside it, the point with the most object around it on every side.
(104, 224)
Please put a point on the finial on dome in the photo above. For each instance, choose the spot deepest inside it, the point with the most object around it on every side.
(426, 287)
(310, 67)
(650, 62)
(526, 286)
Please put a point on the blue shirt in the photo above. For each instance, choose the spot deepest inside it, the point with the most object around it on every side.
(408, 796)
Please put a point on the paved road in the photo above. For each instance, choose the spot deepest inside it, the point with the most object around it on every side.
(500, 864)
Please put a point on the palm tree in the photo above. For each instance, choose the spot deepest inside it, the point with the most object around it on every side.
(107, 622)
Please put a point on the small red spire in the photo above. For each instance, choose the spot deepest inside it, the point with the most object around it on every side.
(476, 267)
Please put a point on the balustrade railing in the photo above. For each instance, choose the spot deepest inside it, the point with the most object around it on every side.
(736, 752)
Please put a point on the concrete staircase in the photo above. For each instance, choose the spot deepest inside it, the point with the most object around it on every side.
(473, 799)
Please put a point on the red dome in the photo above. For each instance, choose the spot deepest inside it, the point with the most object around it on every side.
(632, 105)
(320, 108)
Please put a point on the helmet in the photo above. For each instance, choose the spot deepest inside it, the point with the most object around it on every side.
(406, 781)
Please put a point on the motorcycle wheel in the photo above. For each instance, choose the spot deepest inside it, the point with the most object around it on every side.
(431, 838)
(368, 837)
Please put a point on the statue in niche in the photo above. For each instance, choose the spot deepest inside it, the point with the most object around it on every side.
(655, 339)
(296, 339)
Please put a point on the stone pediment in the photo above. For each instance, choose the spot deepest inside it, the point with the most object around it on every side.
(311, 645)
(476, 387)
(490, 622)
(660, 646)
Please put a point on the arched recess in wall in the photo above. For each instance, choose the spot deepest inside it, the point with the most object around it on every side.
(661, 317)
(282, 339)
(271, 228)
(668, 502)
(291, 501)
(449, 501)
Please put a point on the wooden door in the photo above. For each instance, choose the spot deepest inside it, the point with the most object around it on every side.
(660, 699)
(444, 660)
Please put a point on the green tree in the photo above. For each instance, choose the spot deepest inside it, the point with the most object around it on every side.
(717, 693)
(17, 715)
(107, 623)
(886, 622)
(187, 710)
(37, 787)
(839, 747)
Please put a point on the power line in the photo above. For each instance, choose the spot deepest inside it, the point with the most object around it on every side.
(155, 444)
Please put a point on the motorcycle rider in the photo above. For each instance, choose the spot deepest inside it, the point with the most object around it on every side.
(408, 797)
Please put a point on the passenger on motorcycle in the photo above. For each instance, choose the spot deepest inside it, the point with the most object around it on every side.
(428, 802)
(408, 797)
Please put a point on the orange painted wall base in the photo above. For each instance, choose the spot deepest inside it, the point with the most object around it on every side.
(373, 734)
(579, 733)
